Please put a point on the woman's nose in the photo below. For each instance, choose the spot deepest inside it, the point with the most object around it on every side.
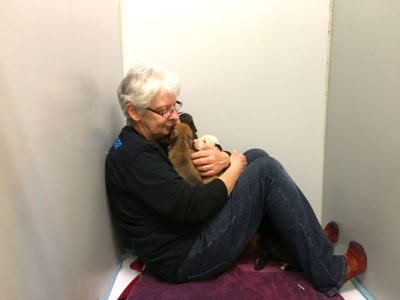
(174, 116)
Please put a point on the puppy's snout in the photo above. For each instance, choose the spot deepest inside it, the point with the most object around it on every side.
(196, 144)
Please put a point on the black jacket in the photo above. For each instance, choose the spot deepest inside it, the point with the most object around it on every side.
(158, 211)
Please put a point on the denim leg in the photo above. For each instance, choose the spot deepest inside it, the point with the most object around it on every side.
(253, 154)
(293, 217)
(264, 188)
(223, 238)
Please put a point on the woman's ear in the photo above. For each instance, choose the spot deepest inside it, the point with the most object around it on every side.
(133, 112)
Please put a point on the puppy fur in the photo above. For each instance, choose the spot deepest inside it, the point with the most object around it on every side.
(188, 119)
(179, 152)
(270, 245)
(207, 142)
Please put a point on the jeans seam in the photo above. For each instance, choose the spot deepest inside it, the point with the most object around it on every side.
(211, 242)
(334, 290)
(209, 270)
(308, 240)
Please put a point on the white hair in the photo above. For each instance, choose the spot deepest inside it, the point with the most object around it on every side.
(142, 83)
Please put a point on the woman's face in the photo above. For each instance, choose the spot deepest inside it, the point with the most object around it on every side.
(153, 126)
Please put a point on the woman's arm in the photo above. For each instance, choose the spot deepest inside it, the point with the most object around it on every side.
(149, 178)
(237, 164)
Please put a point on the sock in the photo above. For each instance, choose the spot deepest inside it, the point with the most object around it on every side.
(332, 231)
(356, 260)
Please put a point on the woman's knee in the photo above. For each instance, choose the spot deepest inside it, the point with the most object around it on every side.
(264, 168)
(254, 154)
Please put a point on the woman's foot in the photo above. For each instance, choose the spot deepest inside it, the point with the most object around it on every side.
(356, 260)
(332, 231)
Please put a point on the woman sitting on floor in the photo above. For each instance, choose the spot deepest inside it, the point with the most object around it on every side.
(184, 233)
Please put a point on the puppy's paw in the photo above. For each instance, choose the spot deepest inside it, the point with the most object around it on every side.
(260, 264)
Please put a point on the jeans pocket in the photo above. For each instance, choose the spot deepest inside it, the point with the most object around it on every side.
(210, 273)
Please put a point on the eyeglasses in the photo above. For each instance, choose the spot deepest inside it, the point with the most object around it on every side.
(168, 113)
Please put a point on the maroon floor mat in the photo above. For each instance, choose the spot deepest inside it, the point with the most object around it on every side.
(239, 282)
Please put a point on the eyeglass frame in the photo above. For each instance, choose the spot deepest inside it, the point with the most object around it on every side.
(168, 112)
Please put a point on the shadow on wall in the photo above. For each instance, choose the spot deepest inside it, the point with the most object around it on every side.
(22, 238)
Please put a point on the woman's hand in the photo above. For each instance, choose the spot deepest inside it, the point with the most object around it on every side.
(231, 174)
(210, 162)
(238, 161)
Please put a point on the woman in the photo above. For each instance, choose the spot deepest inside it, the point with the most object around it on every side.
(184, 233)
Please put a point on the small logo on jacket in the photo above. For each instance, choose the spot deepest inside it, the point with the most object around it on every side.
(117, 143)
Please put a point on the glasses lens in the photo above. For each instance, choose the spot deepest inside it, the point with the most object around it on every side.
(178, 106)
(169, 112)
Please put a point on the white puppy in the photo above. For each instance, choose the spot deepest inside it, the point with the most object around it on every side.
(207, 142)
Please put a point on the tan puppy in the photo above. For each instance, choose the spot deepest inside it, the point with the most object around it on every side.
(179, 152)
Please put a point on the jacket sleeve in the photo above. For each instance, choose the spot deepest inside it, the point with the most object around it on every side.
(151, 178)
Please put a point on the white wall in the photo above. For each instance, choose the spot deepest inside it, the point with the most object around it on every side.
(252, 72)
(362, 169)
(60, 63)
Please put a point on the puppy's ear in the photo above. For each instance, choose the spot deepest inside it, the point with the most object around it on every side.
(185, 118)
(188, 119)
(218, 146)
(193, 127)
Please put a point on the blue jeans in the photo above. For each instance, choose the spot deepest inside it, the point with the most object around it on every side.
(265, 189)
